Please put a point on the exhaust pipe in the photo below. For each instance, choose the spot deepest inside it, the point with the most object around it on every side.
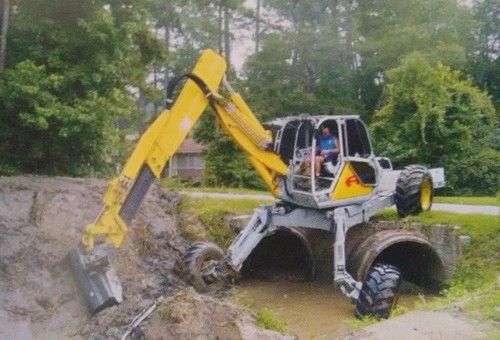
(96, 278)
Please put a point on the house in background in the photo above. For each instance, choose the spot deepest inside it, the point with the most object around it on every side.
(187, 163)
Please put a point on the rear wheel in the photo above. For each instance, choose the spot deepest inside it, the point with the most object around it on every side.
(379, 292)
(414, 191)
(202, 257)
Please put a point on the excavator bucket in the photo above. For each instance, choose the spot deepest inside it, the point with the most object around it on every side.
(97, 280)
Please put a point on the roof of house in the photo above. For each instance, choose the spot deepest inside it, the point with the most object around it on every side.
(191, 146)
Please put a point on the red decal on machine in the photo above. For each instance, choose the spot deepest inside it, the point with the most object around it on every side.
(351, 180)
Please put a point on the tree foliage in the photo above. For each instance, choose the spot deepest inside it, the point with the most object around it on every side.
(69, 66)
(392, 29)
(42, 134)
(484, 64)
(433, 117)
(225, 164)
(307, 66)
(72, 67)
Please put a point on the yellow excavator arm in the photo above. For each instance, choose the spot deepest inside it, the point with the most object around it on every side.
(164, 136)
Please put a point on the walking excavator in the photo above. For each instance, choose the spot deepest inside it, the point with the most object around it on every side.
(332, 187)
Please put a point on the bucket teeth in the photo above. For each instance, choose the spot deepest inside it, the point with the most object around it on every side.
(96, 279)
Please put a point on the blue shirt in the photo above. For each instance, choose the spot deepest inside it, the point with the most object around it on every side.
(327, 143)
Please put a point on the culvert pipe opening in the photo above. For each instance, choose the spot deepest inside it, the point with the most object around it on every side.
(418, 262)
(282, 255)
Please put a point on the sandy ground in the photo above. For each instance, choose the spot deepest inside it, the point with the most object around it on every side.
(424, 325)
(42, 218)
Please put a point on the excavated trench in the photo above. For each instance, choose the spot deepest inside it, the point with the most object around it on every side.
(283, 255)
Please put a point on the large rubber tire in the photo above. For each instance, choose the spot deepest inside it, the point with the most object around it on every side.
(379, 292)
(414, 191)
(197, 257)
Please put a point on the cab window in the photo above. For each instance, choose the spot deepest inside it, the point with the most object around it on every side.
(357, 144)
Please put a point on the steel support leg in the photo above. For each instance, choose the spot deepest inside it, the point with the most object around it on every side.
(257, 228)
(347, 284)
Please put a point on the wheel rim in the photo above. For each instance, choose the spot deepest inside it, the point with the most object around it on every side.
(203, 264)
(426, 195)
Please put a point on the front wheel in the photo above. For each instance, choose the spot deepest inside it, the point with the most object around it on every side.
(200, 260)
(379, 292)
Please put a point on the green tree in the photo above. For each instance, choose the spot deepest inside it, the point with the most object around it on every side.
(210, 25)
(484, 64)
(389, 30)
(5, 16)
(225, 164)
(267, 85)
(70, 65)
(307, 66)
(433, 117)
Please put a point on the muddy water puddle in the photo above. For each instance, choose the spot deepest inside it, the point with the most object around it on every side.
(310, 310)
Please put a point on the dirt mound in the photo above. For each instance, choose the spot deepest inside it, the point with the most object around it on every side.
(42, 218)
(183, 316)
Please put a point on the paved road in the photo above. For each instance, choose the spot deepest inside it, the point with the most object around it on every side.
(467, 209)
(455, 208)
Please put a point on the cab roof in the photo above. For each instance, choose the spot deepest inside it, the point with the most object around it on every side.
(305, 116)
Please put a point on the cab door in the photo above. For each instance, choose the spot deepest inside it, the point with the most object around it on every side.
(359, 174)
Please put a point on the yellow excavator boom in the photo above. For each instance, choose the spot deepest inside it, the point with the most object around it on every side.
(164, 136)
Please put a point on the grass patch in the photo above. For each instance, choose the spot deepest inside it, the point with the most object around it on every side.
(475, 225)
(180, 185)
(174, 183)
(486, 303)
(165, 311)
(399, 310)
(473, 200)
(370, 320)
(363, 322)
(267, 318)
(227, 190)
(207, 206)
(206, 218)
(476, 281)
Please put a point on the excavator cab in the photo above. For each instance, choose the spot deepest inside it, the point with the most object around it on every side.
(351, 173)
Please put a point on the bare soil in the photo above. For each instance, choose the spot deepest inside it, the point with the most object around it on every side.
(188, 315)
(42, 218)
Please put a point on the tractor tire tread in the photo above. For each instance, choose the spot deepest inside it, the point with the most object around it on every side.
(408, 188)
(190, 260)
(378, 292)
